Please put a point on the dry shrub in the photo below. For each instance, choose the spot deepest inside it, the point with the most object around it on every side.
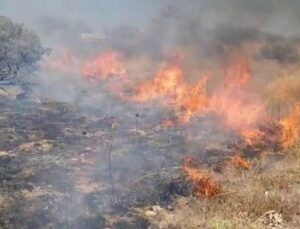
(282, 93)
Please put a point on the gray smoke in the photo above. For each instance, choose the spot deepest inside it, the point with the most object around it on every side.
(208, 29)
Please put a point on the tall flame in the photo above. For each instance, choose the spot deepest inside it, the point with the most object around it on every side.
(193, 100)
(290, 128)
(232, 101)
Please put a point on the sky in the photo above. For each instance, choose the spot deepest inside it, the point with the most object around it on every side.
(278, 16)
(96, 13)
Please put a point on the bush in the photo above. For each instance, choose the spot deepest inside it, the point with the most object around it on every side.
(20, 52)
(281, 52)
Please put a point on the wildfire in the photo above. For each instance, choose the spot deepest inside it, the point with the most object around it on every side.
(193, 100)
(203, 183)
(237, 73)
(252, 136)
(232, 101)
(239, 162)
(104, 66)
(169, 83)
(290, 128)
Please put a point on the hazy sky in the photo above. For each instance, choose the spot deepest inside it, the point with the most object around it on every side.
(280, 16)
(96, 13)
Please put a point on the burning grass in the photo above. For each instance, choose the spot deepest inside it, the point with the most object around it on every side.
(233, 98)
(65, 169)
(93, 165)
(239, 162)
(290, 129)
(203, 184)
(252, 195)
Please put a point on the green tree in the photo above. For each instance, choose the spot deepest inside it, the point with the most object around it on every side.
(20, 53)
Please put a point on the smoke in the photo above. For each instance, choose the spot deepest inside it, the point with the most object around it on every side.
(275, 16)
(208, 31)
(201, 35)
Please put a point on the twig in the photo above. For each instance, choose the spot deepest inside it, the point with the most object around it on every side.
(151, 174)
(69, 221)
(109, 158)
(145, 176)
(4, 184)
(228, 193)
(137, 115)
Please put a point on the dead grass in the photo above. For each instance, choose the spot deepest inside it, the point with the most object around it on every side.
(295, 151)
(246, 197)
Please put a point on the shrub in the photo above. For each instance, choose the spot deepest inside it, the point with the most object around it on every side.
(20, 52)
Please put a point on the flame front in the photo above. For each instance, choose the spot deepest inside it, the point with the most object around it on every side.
(229, 101)
(232, 99)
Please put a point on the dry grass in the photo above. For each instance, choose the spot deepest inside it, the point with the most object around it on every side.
(295, 151)
(246, 197)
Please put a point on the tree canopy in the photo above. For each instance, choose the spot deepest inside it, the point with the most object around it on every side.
(20, 52)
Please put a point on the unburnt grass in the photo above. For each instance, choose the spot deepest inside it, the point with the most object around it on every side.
(247, 200)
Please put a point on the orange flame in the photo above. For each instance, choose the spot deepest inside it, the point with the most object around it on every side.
(169, 84)
(203, 184)
(166, 82)
(104, 65)
(239, 162)
(237, 74)
(290, 128)
(232, 102)
(252, 136)
(193, 100)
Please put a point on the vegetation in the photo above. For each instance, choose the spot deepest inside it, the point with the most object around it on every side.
(252, 197)
(20, 52)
